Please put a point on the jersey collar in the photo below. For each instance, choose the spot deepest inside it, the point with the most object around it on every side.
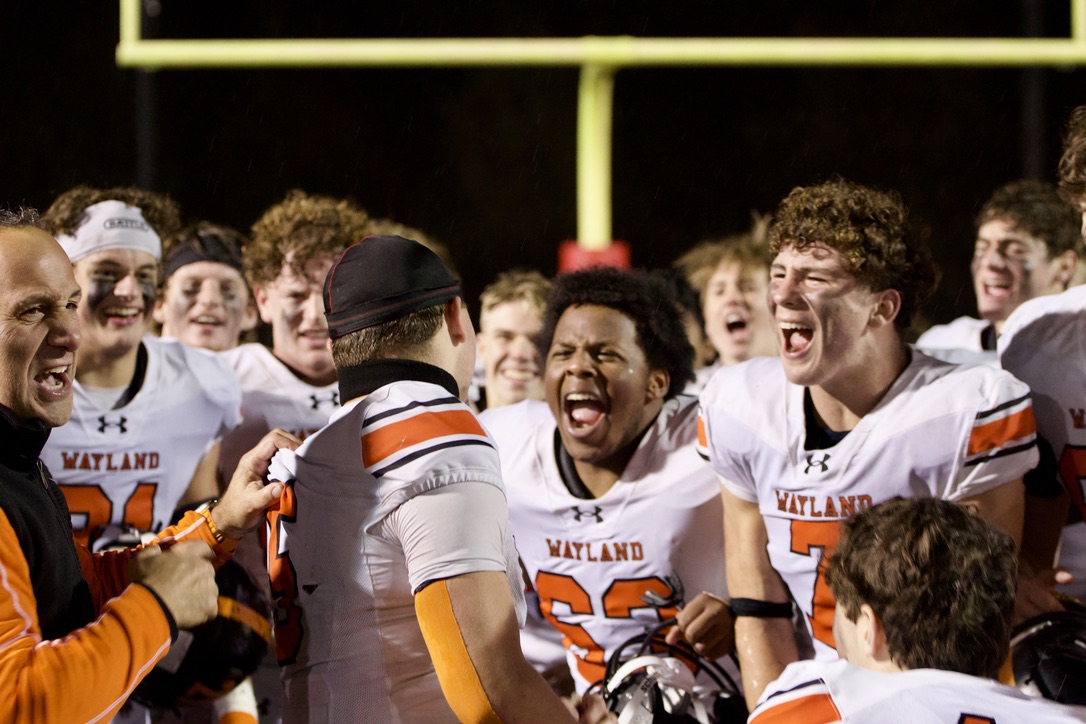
(362, 379)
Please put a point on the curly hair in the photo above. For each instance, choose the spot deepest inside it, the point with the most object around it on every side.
(1073, 160)
(748, 250)
(22, 216)
(299, 228)
(1038, 209)
(645, 299)
(871, 229)
(941, 579)
(66, 213)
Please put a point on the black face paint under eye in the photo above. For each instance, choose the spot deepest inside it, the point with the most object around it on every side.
(98, 291)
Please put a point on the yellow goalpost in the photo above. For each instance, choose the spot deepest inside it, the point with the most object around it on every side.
(599, 58)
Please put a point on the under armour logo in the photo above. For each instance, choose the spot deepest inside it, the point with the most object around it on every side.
(821, 464)
(578, 514)
(332, 399)
(120, 424)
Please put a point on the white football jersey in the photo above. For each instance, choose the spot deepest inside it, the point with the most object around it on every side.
(942, 430)
(959, 342)
(820, 692)
(131, 465)
(343, 581)
(272, 396)
(658, 529)
(1044, 345)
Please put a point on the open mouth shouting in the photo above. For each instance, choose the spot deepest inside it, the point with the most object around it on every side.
(55, 382)
(796, 338)
(584, 412)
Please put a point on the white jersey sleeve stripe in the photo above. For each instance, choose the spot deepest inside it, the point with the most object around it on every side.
(437, 402)
(407, 438)
(1003, 430)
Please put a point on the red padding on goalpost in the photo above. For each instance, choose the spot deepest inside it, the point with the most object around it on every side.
(571, 256)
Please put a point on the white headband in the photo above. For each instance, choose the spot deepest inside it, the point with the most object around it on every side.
(111, 225)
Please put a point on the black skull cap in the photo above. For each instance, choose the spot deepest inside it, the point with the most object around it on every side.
(383, 278)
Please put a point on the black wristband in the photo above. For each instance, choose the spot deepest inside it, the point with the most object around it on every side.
(759, 609)
(166, 610)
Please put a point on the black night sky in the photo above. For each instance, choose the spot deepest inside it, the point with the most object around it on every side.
(484, 159)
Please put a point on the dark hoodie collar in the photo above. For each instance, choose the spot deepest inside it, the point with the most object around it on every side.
(23, 440)
(362, 379)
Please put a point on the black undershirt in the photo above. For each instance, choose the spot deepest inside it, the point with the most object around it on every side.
(819, 437)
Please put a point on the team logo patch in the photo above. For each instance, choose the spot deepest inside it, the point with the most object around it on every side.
(332, 399)
(821, 463)
(123, 223)
(594, 513)
(121, 424)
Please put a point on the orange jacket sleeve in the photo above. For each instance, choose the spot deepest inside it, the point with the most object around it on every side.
(107, 572)
(88, 674)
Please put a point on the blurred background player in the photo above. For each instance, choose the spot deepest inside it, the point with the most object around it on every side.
(510, 317)
(1044, 345)
(205, 301)
(925, 594)
(731, 276)
(394, 572)
(847, 417)
(1028, 244)
(607, 497)
(693, 320)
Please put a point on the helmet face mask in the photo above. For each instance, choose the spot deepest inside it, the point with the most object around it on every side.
(660, 683)
(211, 659)
(1048, 656)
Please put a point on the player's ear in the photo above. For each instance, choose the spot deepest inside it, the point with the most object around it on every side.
(659, 381)
(1063, 268)
(260, 295)
(455, 320)
(887, 305)
(158, 312)
(249, 317)
(871, 632)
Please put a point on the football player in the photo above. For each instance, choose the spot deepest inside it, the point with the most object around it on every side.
(146, 410)
(730, 277)
(510, 315)
(925, 593)
(616, 519)
(1044, 345)
(1027, 246)
(205, 301)
(847, 417)
(412, 614)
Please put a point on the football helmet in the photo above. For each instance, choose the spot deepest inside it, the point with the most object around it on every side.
(1048, 656)
(658, 684)
(211, 659)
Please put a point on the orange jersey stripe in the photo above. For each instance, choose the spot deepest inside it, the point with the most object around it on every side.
(390, 439)
(703, 439)
(812, 709)
(998, 433)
